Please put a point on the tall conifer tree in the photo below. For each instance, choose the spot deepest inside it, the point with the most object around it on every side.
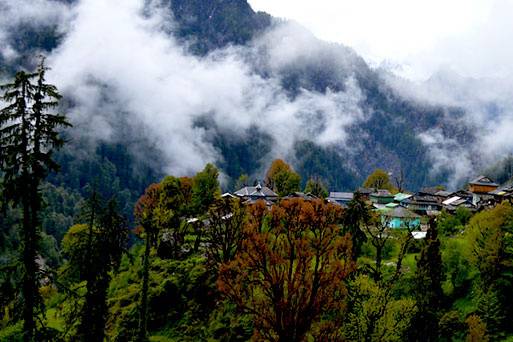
(428, 289)
(29, 133)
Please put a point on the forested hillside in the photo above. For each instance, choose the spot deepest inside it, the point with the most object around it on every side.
(386, 138)
(101, 238)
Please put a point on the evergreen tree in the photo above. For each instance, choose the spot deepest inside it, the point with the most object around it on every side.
(428, 289)
(316, 187)
(107, 238)
(29, 133)
(242, 182)
(356, 215)
(94, 250)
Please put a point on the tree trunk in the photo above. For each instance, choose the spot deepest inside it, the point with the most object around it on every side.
(29, 231)
(30, 268)
(96, 309)
(379, 251)
(144, 295)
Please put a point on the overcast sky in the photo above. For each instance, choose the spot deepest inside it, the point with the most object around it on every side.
(471, 37)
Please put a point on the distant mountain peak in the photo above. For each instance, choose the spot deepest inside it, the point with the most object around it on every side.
(213, 24)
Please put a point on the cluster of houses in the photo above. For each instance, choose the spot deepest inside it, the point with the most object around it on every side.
(404, 209)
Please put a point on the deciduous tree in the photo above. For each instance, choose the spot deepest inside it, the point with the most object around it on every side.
(174, 204)
(490, 235)
(379, 179)
(205, 188)
(281, 178)
(146, 215)
(374, 313)
(291, 269)
(476, 329)
(225, 232)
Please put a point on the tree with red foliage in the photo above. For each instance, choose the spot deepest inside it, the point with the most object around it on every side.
(291, 270)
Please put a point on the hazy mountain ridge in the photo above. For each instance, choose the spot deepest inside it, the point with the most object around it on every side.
(386, 136)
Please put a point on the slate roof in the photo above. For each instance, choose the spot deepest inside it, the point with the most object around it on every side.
(382, 193)
(256, 191)
(429, 191)
(502, 191)
(227, 194)
(307, 197)
(463, 194)
(400, 212)
(443, 193)
(365, 191)
(422, 199)
(341, 196)
(483, 180)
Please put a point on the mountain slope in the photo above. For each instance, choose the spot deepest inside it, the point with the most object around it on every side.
(209, 25)
(387, 136)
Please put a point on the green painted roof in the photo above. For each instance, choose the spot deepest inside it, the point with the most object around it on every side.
(401, 196)
(392, 205)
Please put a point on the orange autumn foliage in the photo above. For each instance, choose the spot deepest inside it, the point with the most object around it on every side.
(290, 270)
(144, 210)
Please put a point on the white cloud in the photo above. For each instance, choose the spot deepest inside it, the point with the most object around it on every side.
(485, 109)
(150, 79)
(471, 37)
(448, 156)
(111, 47)
(29, 12)
(381, 30)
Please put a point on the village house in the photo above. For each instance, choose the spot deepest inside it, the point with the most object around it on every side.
(503, 193)
(482, 185)
(464, 194)
(442, 195)
(365, 193)
(399, 197)
(382, 197)
(302, 195)
(430, 191)
(454, 202)
(400, 217)
(422, 204)
(251, 194)
(341, 198)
